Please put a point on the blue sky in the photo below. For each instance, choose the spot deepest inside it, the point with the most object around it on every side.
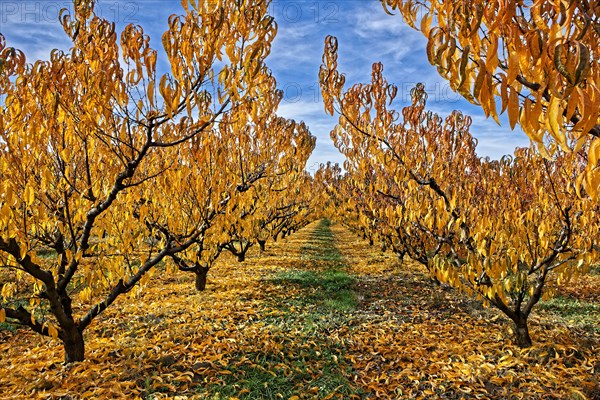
(366, 34)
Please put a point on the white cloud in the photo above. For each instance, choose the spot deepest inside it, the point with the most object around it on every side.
(320, 125)
(496, 141)
(35, 39)
(301, 109)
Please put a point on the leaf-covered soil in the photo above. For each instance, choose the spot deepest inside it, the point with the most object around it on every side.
(318, 315)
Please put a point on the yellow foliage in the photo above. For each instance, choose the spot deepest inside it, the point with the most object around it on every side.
(546, 52)
(405, 335)
(477, 224)
(109, 168)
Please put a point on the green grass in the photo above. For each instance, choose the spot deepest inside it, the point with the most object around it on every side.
(260, 383)
(329, 280)
(321, 247)
(331, 289)
(7, 327)
(580, 314)
(311, 361)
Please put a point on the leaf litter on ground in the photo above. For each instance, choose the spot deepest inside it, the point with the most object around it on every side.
(276, 327)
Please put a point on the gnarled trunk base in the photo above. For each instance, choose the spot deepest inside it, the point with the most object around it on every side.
(201, 278)
(522, 333)
(74, 345)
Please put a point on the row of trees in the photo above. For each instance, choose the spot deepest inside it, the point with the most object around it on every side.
(504, 231)
(538, 61)
(113, 168)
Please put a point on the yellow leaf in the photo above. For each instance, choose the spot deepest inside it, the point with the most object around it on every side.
(513, 108)
(64, 154)
(513, 66)
(151, 92)
(2, 315)
(5, 211)
(594, 153)
(29, 195)
(555, 120)
(426, 24)
(52, 331)
(577, 394)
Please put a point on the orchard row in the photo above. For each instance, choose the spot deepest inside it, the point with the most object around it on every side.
(113, 171)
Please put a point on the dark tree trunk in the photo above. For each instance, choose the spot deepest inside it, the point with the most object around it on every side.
(522, 332)
(262, 244)
(371, 243)
(241, 257)
(74, 345)
(201, 273)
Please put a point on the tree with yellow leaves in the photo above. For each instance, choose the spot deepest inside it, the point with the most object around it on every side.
(299, 208)
(505, 232)
(345, 201)
(281, 148)
(87, 133)
(287, 205)
(226, 175)
(536, 60)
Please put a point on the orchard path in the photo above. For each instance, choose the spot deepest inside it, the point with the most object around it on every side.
(321, 315)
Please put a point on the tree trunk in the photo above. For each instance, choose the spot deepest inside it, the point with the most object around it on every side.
(201, 273)
(522, 332)
(371, 243)
(262, 244)
(241, 257)
(74, 345)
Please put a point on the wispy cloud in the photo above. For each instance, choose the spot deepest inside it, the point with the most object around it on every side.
(36, 39)
(496, 141)
(320, 124)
